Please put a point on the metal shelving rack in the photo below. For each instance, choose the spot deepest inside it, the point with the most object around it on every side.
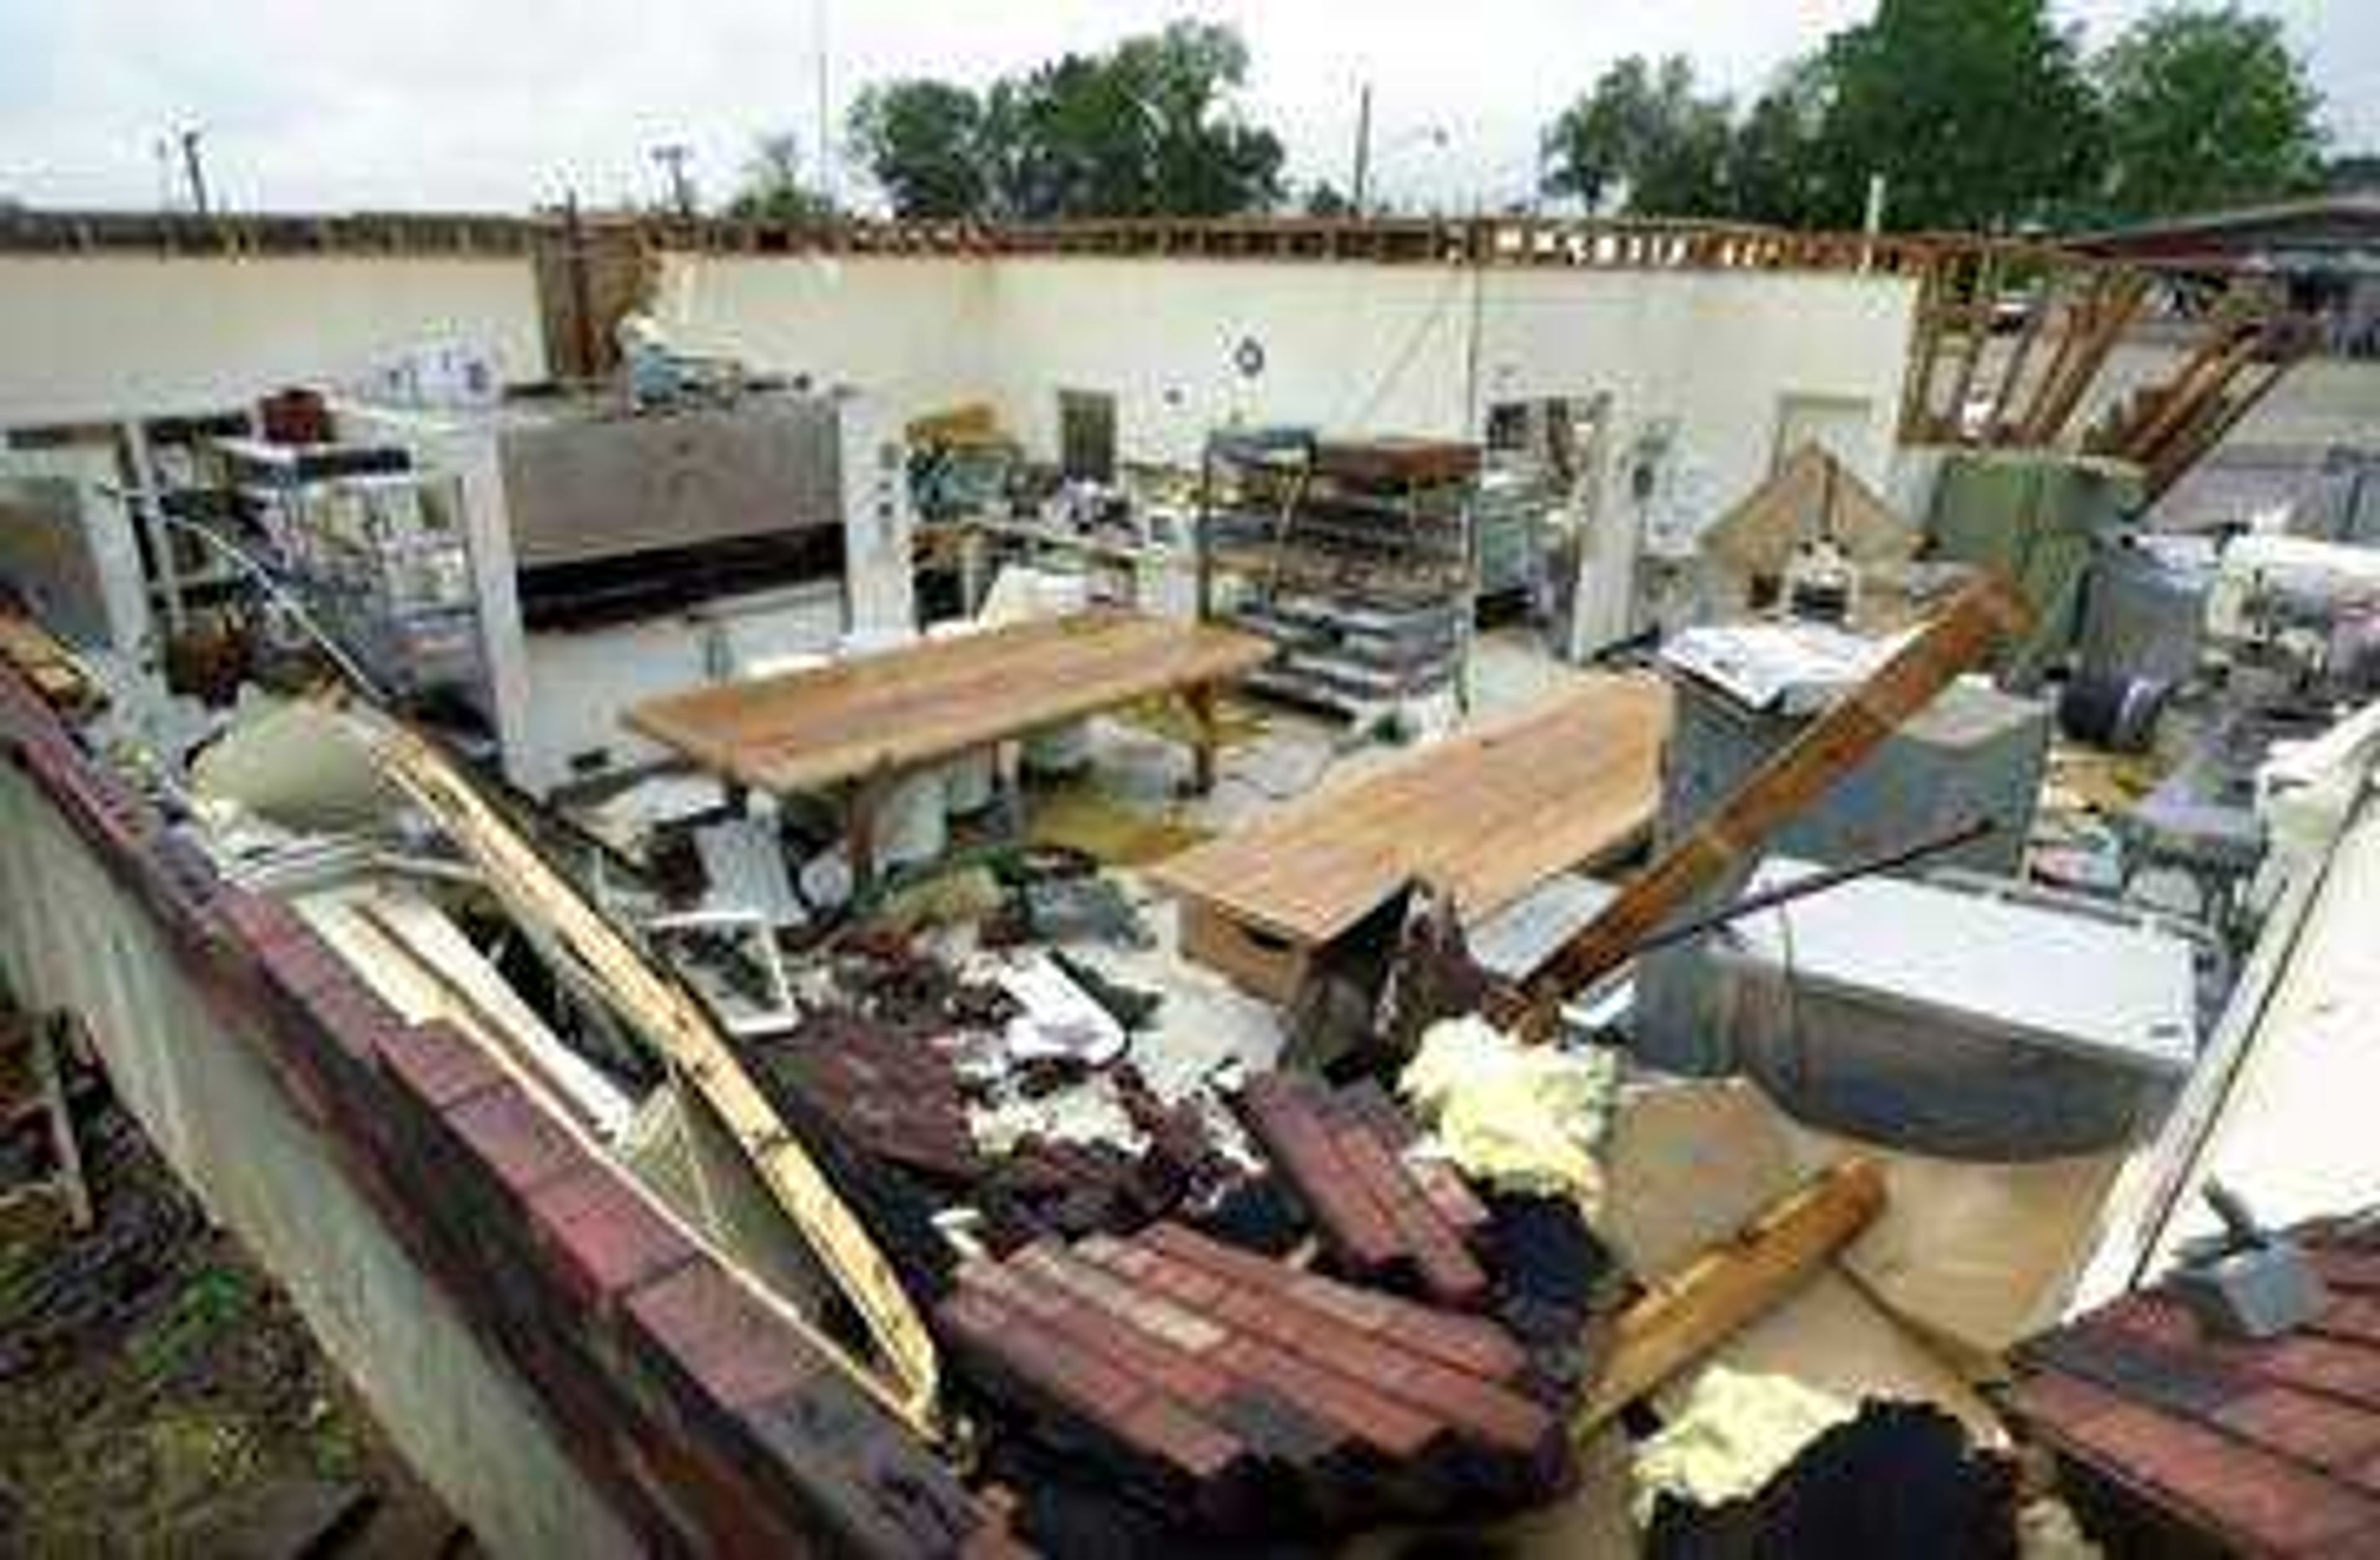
(1358, 557)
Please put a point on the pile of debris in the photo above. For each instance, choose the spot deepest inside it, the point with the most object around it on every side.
(1248, 1395)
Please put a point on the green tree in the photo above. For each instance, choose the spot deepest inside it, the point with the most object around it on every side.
(1149, 128)
(773, 189)
(1977, 113)
(924, 142)
(2205, 106)
(1323, 197)
(1642, 128)
(1777, 170)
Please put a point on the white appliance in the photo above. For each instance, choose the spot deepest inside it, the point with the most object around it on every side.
(618, 555)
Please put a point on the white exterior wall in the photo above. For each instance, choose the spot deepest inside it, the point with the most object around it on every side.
(1345, 347)
(917, 333)
(104, 336)
(1388, 349)
(1351, 348)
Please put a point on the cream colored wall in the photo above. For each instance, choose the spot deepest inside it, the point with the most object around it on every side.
(1345, 347)
(917, 333)
(1362, 349)
(111, 335)
(1349, 347)
(1352, 348)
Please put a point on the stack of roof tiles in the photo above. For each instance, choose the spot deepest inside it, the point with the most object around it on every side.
(1387, 1214)
(897, 1095)
(1245, 1394)
(2265, 1447)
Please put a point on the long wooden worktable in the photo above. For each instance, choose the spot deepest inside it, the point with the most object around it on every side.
(1570, 781)
(860, 724)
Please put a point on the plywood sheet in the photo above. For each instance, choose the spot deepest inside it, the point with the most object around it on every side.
(1569, 781)
(804, 730)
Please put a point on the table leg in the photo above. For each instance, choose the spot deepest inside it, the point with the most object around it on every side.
(1205, 735)
(860, 805)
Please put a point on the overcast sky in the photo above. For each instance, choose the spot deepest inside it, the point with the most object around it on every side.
(502, 103)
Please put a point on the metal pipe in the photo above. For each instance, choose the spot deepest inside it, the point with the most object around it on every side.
(1819, 882)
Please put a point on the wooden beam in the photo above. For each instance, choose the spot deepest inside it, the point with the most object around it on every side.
(54, 670)
(2080, 357)
(2188, 402)
(2019, 357)
(2183, 451)
(660, 1010)
(1982, 295)
(1917, 420)
(1686, 1314)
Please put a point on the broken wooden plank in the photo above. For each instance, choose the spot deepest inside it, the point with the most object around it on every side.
(681, 1030)
(1686, 1314)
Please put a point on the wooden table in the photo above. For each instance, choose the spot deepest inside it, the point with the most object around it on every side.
(860, 724)
(1568, 782)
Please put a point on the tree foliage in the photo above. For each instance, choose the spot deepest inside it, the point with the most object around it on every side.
(773, 189)
(1776, 169)
(1645, 129)
(1147, 127)
(1978, 113)
(2205, 107)
(924, 140)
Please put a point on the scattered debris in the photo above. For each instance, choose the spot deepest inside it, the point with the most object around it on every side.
(1128, 1006)
(1057, 1019)
(1078, 909)
(1552, 1275)
(156, 1391)
(1894, 1479)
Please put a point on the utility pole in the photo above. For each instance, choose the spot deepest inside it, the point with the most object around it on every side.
(674, 157)
(1363, 148)
(194, 170)
(825, 134)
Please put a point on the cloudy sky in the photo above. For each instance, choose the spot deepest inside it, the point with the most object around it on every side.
(501, 104)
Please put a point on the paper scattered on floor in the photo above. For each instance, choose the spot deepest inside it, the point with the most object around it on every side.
(1060, 1020)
